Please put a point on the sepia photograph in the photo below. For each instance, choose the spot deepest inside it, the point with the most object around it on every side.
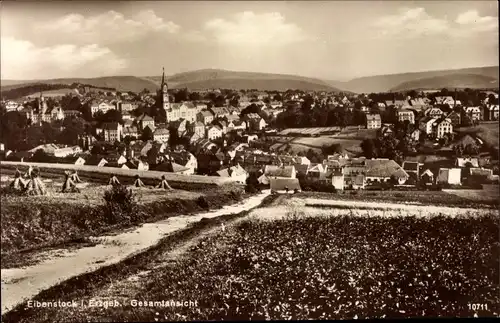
(249, 160)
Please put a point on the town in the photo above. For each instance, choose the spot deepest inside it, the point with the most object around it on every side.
(287, 141)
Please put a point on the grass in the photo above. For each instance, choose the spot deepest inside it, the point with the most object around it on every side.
(302, 268)
(30, 224)
(488, 193)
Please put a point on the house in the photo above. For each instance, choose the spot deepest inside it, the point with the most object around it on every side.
(373, 121)
(443, 127)
(454, 118)
(236, 172)
(214, 132)
(255, 122)
(130, 132)
(382, 170)
(172, 167)
(275, 171)
(185, 159)
(316, 172)
(161, 135)
(449, 176)
(136, 163)
(219, 112)
(222, 124)
(427, 177)
(284, 185)
(67, 151)
(126, 106)
(76, 160)
(405, 114)
(447, 100)
(338, 179)
(355, 181)
(474, 113)
(433, 112)
(467, 162)
(491, 112)
(102, 105)
(412, 169)
(237, 125)
(113, 131)
(197, 128)
(99, 162)
(180, 125)
(206, 117)
(184, 110)
(200, 106)
(70, 113)
(127, 116)
(144, 121)
(427, 125)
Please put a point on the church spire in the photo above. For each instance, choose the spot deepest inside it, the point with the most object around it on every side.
(163, 77)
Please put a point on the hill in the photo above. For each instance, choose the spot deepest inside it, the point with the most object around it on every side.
(461, 81)
(120, 83)
(383, 83)
(217, 78)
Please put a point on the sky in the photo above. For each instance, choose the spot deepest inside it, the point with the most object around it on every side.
(333, 40)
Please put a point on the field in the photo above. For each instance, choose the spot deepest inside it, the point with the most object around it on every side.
(30, 223)
(487, 131)
(488, 193)
(309, 131)
(53, 93)
(102, 175)
(300, 267)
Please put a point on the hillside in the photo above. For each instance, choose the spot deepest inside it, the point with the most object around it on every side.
(120, 83)
(216, 78)
(383, 83)
(473, 81)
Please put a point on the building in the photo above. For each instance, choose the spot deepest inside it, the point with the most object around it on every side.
(433, 112)
(113, 131)
(144, 121)
(467, 162)
(406, 114)
(161, 135)
(100, 105)
(449, 176)
(197, 128)
(255, 122)
(427, 125)
(491, 112)
(373, 121)
(454, 118)
(412, 169)
(126, 106)
(206, 117)
(284, 185)
(236, 172)
(220, 112)
(474, 113)
(338, 179)
(383, 170)
(276, 171)
(184, 110)
(214, 132)
(443, 127)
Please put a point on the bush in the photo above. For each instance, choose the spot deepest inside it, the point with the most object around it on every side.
(121, 205)
(203, 202)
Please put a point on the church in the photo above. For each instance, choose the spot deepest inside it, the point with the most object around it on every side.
(175, 111)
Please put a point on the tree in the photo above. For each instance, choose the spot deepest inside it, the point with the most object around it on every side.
(181, 95)
(369, 148)
(147, 134)
(332, 149)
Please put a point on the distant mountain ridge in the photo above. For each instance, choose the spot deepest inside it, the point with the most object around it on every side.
(478, 77)
(385, 83)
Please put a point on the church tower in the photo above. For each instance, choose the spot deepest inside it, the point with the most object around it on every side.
(164, 92)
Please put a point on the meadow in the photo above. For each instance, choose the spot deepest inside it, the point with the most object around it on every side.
(303, 267)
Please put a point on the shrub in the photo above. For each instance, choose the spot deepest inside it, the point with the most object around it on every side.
(203, 202)
(120, 205)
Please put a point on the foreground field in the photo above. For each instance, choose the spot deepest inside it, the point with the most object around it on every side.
(328, 267)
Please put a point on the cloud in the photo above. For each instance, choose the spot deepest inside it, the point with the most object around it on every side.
(110, 26)
(248, 28)
(411, 22)
(21, 59)
(470, 20)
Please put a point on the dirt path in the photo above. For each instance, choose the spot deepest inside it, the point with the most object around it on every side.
(19, 284)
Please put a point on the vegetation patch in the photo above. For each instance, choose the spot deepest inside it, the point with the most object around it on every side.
(316, 268)
(29, 225)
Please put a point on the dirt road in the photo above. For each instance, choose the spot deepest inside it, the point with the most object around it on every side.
(19, 284)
